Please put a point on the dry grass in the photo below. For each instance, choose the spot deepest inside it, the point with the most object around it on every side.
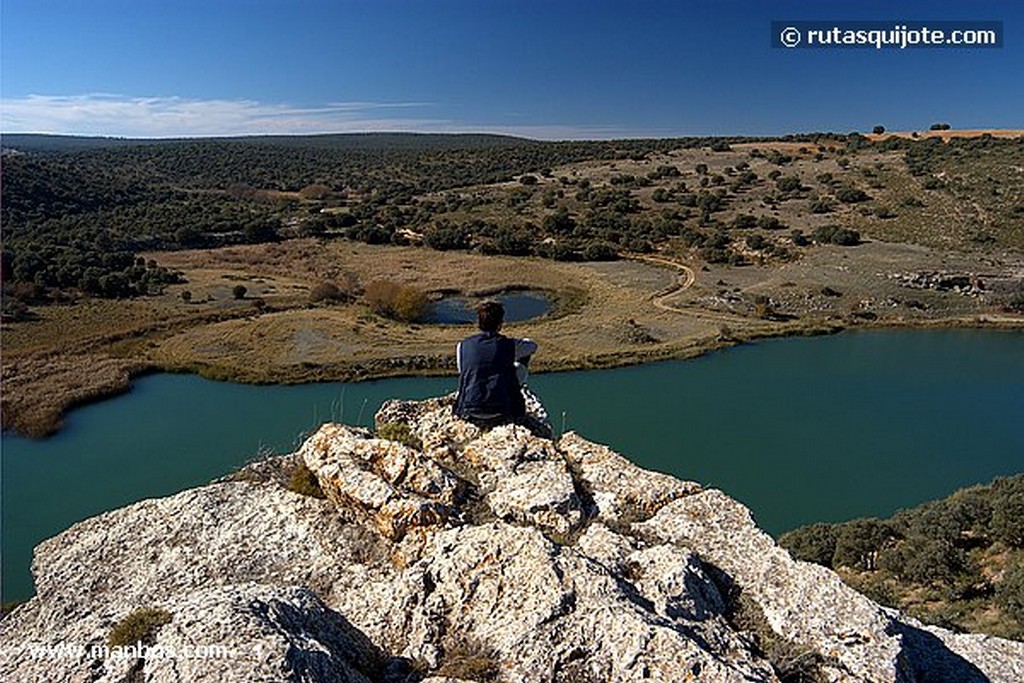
(138, 627)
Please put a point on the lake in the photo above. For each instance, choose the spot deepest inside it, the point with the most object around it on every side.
(801, 430)
(459, 310)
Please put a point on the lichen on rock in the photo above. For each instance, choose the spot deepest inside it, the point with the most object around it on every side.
(461, 554)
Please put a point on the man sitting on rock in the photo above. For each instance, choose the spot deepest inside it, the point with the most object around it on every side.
(491, 369)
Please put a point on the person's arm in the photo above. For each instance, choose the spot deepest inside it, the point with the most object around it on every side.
(525, 348)
(458, 357)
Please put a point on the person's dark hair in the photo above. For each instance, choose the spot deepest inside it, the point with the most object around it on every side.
(490, 315)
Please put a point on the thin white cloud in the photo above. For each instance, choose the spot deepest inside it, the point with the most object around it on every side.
(157, 117)
(163, 117)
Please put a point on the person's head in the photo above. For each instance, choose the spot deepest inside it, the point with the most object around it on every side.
(490, 315)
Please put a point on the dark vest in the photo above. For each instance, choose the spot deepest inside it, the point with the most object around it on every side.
(488, 386)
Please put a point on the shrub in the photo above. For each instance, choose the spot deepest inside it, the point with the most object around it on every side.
(400, 432)
(239, 291)
(140, 626)
(558, 251)
(302, 480)
(467, 658)
(790, 183)
(744, 220)
(756, 241)
(833, 234)
(328, 291)
(820, 206)
(1010, 593)
(878, 130)
(392, 300)
(1008, 511)
(599, 251)
(313, 227)
(851, 195)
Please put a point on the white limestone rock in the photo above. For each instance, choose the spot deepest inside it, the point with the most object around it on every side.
(546, 561)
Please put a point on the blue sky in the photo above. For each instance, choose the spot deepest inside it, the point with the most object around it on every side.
(540, 68)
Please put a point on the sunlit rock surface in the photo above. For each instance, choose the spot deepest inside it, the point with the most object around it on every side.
(460, 555)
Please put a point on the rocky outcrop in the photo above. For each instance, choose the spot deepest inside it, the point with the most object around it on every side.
(460, 555)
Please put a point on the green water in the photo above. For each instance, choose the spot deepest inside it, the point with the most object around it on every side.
(801, 430)
(459, 310)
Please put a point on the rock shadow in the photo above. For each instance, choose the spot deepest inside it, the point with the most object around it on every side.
(931, 661)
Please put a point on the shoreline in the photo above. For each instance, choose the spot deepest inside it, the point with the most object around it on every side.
(424, 366)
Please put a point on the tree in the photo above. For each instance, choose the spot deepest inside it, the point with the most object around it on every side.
(814, 543)
(599, 251)
(444, 235)
(239, 291)
(559, 223)
(858, 543)
(262, 231)
(878, 130)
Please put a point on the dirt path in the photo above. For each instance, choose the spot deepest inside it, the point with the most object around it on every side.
(686, 279)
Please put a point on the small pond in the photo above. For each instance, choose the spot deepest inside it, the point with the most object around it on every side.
(460, 310)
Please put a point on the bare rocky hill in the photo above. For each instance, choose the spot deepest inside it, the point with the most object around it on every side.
(454, 554)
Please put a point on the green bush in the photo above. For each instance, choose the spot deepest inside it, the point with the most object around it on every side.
(790, 183)
(444, 236)
(140, 626)
(851, 195)
(814, 543)
(599, 251)
(756, 241)
(400, 432)
(743, 221)
(926, 560)
(1008, 511)
(302, 480)
(833, 234)
(1010, 593)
